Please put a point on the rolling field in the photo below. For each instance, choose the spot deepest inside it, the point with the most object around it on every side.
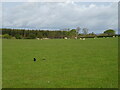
(90, 63)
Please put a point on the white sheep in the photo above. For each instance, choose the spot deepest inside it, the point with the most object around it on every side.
(83, 38)
(75, 37)
(65, 37)
(37, 38)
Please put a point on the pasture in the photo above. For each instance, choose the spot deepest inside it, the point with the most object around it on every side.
(90, 63)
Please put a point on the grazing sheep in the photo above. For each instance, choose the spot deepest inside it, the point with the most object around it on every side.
(83, 38)
(65, 37)
(37, 38)
(45, 38)
(75, 37)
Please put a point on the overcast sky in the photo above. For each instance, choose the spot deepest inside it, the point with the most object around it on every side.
(97, 17)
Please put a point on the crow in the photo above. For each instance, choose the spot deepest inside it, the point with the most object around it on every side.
(34, 59)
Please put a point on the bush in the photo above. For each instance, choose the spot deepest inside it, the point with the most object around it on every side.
(7, 36)
(32, 36)
(18, 36)
(109, 32)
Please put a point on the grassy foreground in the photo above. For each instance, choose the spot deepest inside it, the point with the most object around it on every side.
(90, 63)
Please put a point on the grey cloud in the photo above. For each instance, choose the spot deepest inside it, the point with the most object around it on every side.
(61, 15)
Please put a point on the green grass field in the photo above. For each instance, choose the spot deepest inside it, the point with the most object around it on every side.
(90, 63)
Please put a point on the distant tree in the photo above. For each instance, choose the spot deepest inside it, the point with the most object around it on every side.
(72, 33)
(85, 31)
(40, 35)
(32, 36)
(102, 35)
(77, 31)
(91, 35)
(65, 32)
(59, 34)
(18, 36)
(109, 32)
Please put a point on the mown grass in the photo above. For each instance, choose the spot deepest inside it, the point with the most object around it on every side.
(90, 63)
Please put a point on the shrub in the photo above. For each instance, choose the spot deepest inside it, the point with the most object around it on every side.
(7, 36)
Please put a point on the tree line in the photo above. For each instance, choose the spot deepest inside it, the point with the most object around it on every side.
(56, 34)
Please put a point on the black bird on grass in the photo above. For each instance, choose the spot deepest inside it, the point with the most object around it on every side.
(34, 59)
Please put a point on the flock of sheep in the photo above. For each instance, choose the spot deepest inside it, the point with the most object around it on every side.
(67, 38)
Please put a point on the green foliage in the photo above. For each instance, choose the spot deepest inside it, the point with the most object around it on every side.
(18, 36)
(102, 34)
(78, 30)
(85, 31)
(32, 36)
(7, 36)
(39, 35)
(109, 32)
(72, 33)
